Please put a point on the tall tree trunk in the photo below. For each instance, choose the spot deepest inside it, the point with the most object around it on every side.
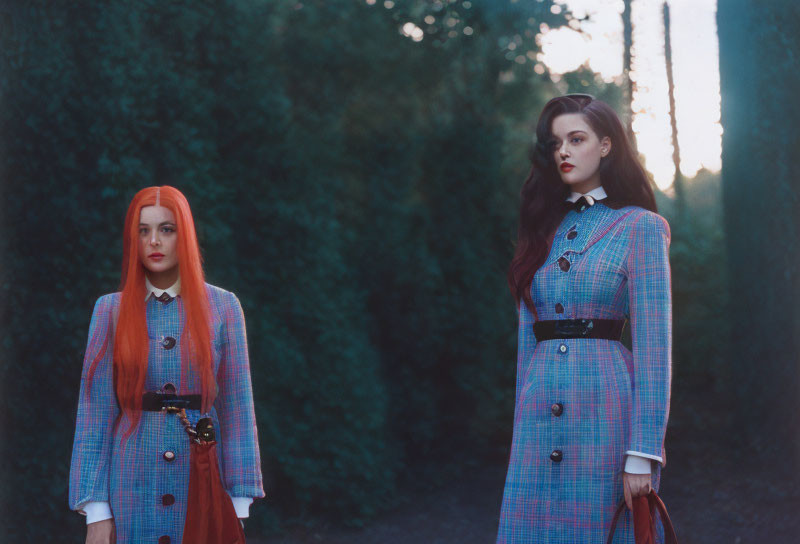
(627, 32)
(678, 183)
(760, 82)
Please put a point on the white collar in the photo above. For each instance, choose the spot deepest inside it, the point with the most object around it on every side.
(598, 193)
(173, 290)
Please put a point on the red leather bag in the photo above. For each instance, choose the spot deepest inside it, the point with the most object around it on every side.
(210, 516)
(644, 520)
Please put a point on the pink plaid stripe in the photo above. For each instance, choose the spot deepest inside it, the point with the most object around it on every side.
(613, 400)
(134, 478)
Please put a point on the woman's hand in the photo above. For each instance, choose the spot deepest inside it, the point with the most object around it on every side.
(635, 485)
(101, 532)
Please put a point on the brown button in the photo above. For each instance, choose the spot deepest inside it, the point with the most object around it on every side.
(559, 308)
(557, 409)
(168, 388)
(164, 540)
(165, 298)
(168, 342)
(563, 264)
(169, 455)
(571, 235)
(556, 456)
(167, 500)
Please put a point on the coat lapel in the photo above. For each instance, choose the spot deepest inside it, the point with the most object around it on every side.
(606, 223)
(591, 229)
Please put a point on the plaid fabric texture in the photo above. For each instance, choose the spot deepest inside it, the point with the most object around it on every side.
(613, 400)
(135, 477)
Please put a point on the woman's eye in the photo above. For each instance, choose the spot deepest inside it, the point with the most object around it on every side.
(576, 140)
(142, 231)
(167, 229)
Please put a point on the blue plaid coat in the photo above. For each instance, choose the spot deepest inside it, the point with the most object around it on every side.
(614, 400)
(134, 479)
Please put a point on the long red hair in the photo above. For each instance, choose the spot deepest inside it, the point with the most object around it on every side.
(131, 342)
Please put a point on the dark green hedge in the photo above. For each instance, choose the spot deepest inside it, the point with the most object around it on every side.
(357, 190)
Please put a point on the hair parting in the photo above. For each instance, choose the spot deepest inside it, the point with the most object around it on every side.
(131, 341)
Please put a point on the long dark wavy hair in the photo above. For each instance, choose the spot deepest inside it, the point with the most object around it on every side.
(543, 194)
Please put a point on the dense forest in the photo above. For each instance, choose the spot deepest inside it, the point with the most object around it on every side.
(356, 187)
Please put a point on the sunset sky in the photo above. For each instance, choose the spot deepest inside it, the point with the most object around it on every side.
(695, 68)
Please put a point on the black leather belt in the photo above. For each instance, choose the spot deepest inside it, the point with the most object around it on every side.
(155, 402)
(607, 329)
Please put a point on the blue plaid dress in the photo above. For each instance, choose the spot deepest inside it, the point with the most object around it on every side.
(135, 478)
(614, 400)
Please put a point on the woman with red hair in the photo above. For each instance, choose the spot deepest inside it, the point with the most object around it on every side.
(167, 339)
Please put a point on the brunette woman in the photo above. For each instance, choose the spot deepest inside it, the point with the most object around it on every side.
(166, 338)
(592, 253)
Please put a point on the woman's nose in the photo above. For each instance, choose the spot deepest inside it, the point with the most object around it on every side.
(563, 151)
(154, 241)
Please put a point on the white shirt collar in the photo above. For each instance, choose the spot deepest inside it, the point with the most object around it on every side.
(598, 193)
(173, 290)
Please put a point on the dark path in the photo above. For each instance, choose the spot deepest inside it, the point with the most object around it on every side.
(712, 498)
(716, 496)
(467, 512)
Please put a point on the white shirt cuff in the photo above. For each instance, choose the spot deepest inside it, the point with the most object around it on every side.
(646, 456)
(635, 464)
(100, 510)
(242, 506)
(95, 511)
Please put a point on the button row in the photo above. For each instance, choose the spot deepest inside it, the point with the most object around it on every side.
(557, 409)
(169, 455)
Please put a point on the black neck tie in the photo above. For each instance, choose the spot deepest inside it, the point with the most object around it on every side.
(583, 203)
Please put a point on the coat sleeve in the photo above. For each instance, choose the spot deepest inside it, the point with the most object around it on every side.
(238, 443)
(526, 343)
(97, 414)
(650, 299)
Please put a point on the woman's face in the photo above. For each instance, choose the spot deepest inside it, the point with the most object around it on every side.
(578, 151)
(158, 239)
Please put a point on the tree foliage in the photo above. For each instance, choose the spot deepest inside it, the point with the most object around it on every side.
(356, 188)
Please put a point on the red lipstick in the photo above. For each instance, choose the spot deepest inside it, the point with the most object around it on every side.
(566, 167)
(155, 256)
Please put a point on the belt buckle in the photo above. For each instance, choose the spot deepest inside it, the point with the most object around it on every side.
(172, 405)
(574, 327)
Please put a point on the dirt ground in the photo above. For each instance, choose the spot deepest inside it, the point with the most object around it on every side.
(712, 498)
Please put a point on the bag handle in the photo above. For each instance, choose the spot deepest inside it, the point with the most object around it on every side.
(654, 502)
(614, 521)
(187, 426)
(202, 433)
(669, 530)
